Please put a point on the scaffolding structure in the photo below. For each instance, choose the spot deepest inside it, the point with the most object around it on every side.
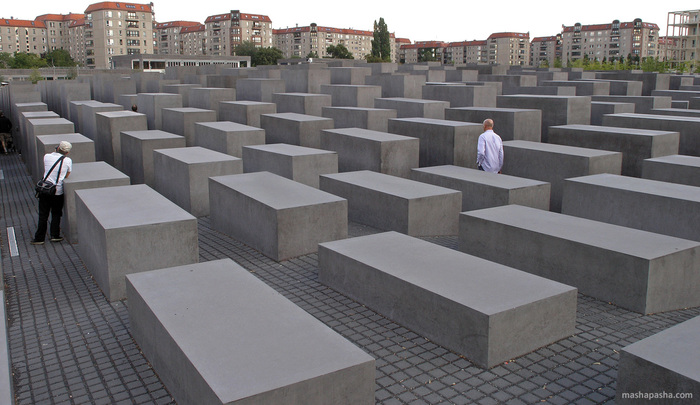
(682, 40)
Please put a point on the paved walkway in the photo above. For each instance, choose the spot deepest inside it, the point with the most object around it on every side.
(68, 344)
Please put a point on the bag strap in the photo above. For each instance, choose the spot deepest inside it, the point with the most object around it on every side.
(52, 167)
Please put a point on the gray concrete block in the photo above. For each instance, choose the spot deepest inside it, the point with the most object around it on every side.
(678, 112)
(128, 101)
(181, 121)
(137, 152)
(676, 95)
(279, 217)
(442, 142)
(75, 112)
(556, 110)
(641, 271)
(464, 303)
(181, 175)
(482, 189)
(88, 121)
(345, 95)
(181, 89)
(634, 144)
(410, 107)
(245, 112)
(301, 103)
(398, 85)
(216, 334)
(71, 91)
(259, 89)
(392, 203)
(679, 169)
(583, 87)
(209, 98)
(152, 104)
(688, 127)
(349, 75)
(21, 135)
(362, 149)
(510, 81)
(623, 87)
(601, 108)
(661, 366)
(642, 104)
(294, 162)
(110, 125)
(86, 176)
(544, 91)
(650, 205)
(227, 137)
(131, 229)
(374, 119)
(555, 163)
(294, 129)
(509, 123)
(461, 95)
(305, 78)
(39, 127)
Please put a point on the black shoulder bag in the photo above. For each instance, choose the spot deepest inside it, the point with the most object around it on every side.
(45, 187)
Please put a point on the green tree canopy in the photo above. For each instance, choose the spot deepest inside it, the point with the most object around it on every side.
(339, 52)
(426, 55)
(311, 55)
(381, 44)
(27, 61)
(59, 58)
(266, 56)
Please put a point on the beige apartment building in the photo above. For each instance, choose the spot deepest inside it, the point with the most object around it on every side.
(509, 48)
(466, 52)
(545, 50)
(77, 40)
(607, 41)
(301, 41)
(168, 37)
(117, 29)
(223, 32)
(416, 52)
(682, 41)
(22, 36)
(57, 29)
(193, 41)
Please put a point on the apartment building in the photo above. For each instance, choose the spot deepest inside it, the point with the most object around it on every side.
(223, 32)
(168, 37)
(466, 52)
(57, 29)
(193, 41)
(509, 48)
(117, 29)
(301, 41)
(77, 41)
(610, 41)
(682, 40)
(22, 36)
(545, 50)
(422, 51)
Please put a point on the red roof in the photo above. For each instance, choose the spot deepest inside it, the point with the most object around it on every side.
(77, 23)
(403, 41)
(21, 23)
(603, 27)
(424, 44)
(467, 43)
(509, 35)
(171, 24)
(60, 17)
(111, 5)
(247, 17)
(544, 39)
(194, 28)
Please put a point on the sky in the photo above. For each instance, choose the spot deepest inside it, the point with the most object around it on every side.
(437, 20)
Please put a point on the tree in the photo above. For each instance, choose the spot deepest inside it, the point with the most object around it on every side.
(312, 55)
(5, 60)
(35, 76)
(246, 48)
(426, 55)
(59, 58)
(381, 44)
(339, 52)
(266, 56)
(557, 63)
(27, 61)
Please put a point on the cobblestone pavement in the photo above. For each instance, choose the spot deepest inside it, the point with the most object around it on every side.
(68, 344)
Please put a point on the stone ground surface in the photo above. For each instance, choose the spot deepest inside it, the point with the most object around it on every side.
(68, 344)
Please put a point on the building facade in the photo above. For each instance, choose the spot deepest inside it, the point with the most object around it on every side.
(299, 42)
(635, 39)
(509, 48)
(168, 37)
(23, 36)
(117, 29)
(224, 32)
(193, 41)
(682, 41)
(423, 51)
(57, 29)
(545, 51)
(466, 52)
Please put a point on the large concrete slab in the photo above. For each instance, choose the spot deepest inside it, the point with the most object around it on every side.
(661, 368)
(301, 103)
(482, 189)
(110, 125)
(181, 121)
(641, 271)
(228, 137)
(556, 110)
(86, 176)
(509, 123)
(374, 119)
(679, 169)
(650, 205)
(555, 163)
(88, 121)
(152, 104)
(245, 112)
(131, 229)
(345, 95)
(411, 107)
(464, 303)
(583, 87)
(258, 89)
(137, 152)
(209, 98)
(634, 144)
(216, 334)
(397, 85)
(294, 129)
(181, 175)
(181, 89)
(363, 149)
(294, 162)
(279, 217)
(39, 127)
(461, 95)
(600, 108)
(642, 104)
(396, 204)
(688, 127)
(442, 142)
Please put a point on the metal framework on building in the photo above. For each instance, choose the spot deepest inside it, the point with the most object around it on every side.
(683, 37)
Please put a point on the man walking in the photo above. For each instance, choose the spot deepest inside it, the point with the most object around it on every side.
(489, 150)
(53, 204)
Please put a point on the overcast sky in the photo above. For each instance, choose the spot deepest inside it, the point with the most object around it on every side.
(418, 21)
